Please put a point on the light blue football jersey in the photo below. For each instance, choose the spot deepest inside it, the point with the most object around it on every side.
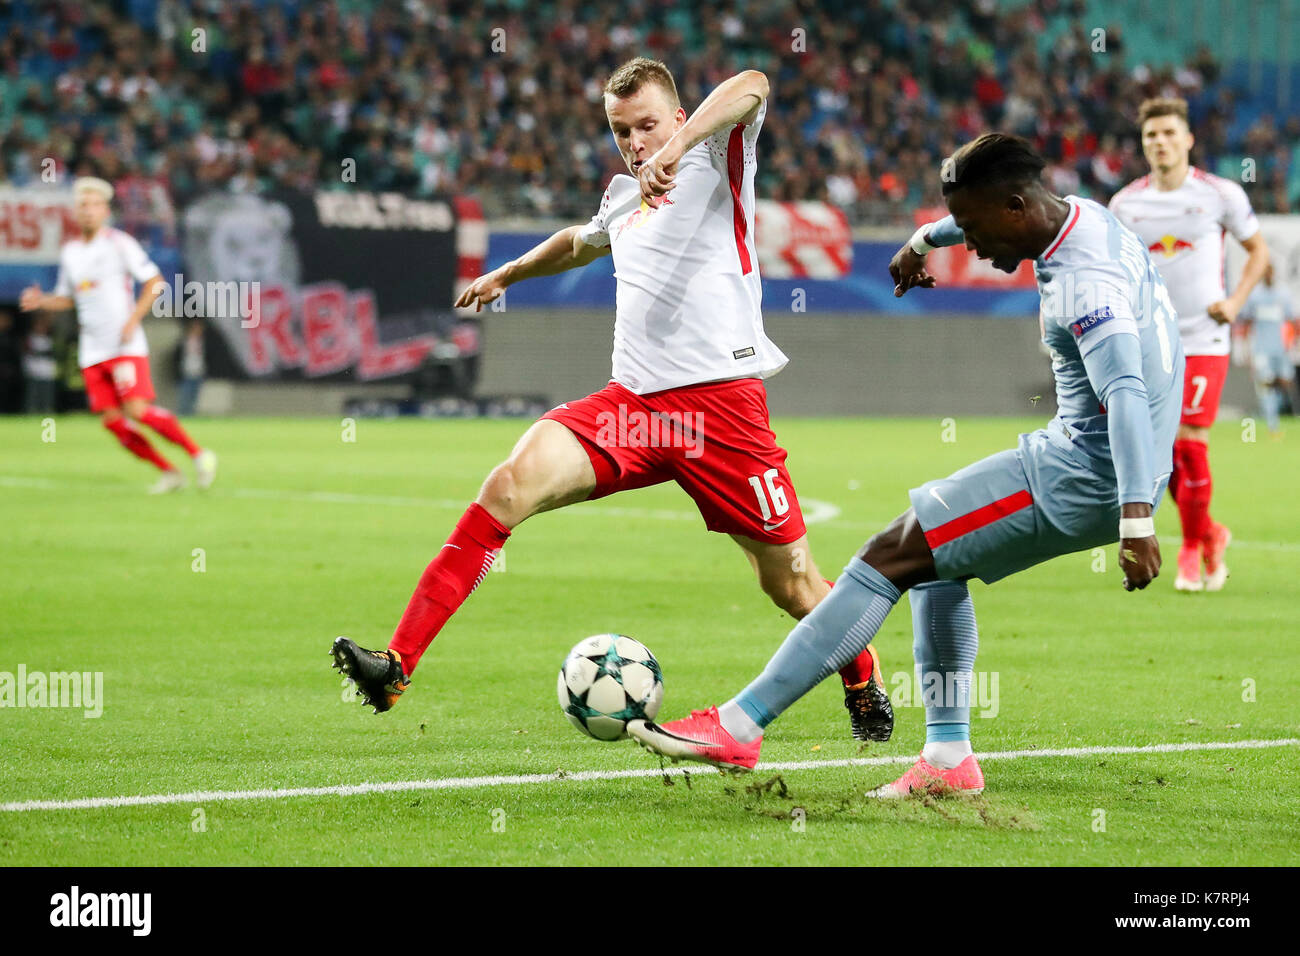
(1097, 280)
(1268, 308)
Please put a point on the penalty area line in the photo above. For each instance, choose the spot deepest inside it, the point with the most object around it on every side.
(470, 783)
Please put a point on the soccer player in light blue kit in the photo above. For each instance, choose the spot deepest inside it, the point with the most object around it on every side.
(1268, 308)
(1094, 475)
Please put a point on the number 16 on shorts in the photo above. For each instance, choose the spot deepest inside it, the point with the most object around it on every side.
(771, 496)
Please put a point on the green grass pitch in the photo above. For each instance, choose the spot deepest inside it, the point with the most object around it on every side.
(210, 616)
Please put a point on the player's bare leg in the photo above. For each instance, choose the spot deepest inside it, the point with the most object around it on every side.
(134, 441)
(547, 469)
(900, 553)
(788, 575)
(169, 427)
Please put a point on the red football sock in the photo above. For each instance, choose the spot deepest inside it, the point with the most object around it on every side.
(859, 669)
(449, 579)
(167, 425)
(135, 442)
(1195, 489)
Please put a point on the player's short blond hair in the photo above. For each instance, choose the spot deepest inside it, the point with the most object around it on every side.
(93, 184)
(1163, 106)
(634, 74)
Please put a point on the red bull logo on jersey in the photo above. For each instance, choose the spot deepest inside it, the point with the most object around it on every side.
(85, 285)
(1169, 246)
(638, 218)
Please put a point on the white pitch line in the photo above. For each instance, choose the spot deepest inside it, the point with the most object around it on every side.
(814, 511)
(468, 783)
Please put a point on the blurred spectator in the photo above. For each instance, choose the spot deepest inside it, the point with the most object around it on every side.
(11, 365)
(416, 94)
(193, 368)
(40, 367)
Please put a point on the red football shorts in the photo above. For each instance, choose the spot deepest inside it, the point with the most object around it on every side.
(1202, 386)
(113, 381)
(712, 439)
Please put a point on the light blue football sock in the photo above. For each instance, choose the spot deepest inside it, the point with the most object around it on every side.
(1270, 401)
(837, 631)
(945, 641)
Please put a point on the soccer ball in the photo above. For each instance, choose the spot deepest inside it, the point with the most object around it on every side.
(606, 681)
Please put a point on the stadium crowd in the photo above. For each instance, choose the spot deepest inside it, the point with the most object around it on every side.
(168, 98)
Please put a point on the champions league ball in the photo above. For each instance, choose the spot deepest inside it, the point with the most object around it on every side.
(606, 681)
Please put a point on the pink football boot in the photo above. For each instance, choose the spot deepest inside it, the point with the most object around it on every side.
(966, 777)
(698, 737)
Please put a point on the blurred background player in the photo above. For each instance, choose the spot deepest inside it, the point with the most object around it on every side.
(40, 367)
(96, 275)
(1182, 213)
(689, 346)
(1268, 310)
(192, 367)
(1094, 475)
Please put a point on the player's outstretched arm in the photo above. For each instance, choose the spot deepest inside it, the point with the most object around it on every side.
(907, 268)
(34, 300)
(558, 253)
(1114, 368)
(150, 291)
(1226, 310)
(735, 100)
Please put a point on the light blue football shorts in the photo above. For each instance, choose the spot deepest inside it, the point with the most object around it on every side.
(1019, 508)
(1271, 366)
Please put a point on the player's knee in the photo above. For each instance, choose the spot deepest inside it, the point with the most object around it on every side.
(508, 492)
(900, 553)
(501, 489)
(110, 416)
(883, 546)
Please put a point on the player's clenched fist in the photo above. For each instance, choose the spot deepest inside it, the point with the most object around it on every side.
(658, 174)
(1224, 311)
(907, 269)
(484, 289)
(1139, 559)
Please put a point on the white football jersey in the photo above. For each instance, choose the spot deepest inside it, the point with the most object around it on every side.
(1183, 230)
(98, 275)
(689, 300)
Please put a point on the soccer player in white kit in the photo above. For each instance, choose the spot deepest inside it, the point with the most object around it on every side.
(1182, 213)
(97, 273)
(685, 403)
